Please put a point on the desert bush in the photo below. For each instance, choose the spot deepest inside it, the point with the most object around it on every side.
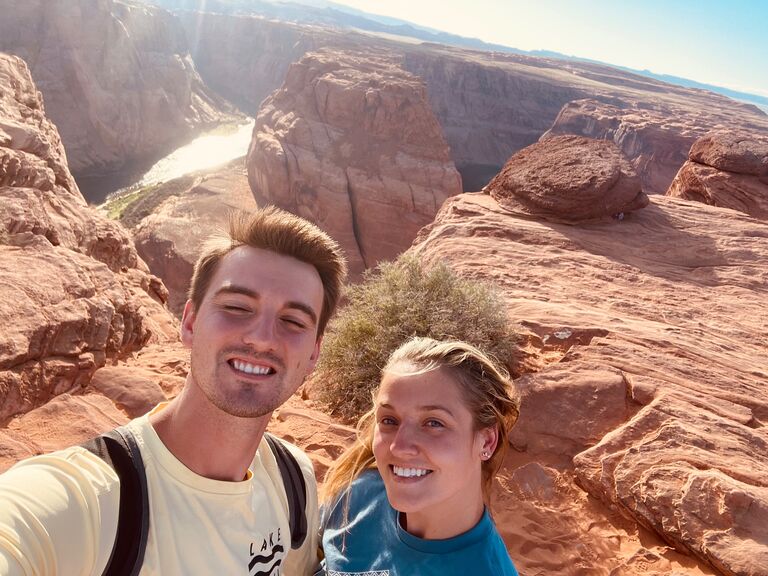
(394, 302)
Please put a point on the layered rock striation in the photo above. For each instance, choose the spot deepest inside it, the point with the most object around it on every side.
(74, 293)
(726, 169)
(651, 391)
(350, 143)
(117, 77)
(246, 58)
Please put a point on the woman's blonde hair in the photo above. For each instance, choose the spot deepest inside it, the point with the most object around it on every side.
(485, 386)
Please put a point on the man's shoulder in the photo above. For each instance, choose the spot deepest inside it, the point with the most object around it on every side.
(74, 461)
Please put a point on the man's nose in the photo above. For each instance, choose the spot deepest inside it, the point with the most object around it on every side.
(260, 332)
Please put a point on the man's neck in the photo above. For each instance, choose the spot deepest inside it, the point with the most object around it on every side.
(208, 441)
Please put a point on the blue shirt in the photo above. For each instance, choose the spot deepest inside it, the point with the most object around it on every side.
(373, 542)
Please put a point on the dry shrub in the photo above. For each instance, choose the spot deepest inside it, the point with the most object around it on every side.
(394, 302)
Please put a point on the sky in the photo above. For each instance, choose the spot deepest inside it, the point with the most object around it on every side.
(720, 42)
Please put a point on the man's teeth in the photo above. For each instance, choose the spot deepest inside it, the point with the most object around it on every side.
(410, 472)
(249, 368)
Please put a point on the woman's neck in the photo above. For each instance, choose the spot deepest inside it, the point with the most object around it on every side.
(445, 521)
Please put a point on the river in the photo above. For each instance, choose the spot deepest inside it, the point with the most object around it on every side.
(210, 149)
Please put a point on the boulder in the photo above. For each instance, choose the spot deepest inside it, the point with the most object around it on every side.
(656, 132)
(726, 169)
(569, 179)
(349, 142)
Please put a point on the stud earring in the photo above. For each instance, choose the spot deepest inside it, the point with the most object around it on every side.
(485, 455)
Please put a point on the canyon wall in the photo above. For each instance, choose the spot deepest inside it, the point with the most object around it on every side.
(349, 142)
(74, 294)
(246, 58)
(489, 104)
(117, 77)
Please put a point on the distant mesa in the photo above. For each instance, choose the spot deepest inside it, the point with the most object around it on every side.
(569, 179)
(350, 142)
(727, 169)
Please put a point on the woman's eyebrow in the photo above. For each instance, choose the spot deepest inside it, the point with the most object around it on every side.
(421, 408)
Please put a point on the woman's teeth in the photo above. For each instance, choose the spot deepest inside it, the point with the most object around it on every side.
(410, 472)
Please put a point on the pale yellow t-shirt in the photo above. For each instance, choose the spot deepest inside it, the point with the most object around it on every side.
(58, 516)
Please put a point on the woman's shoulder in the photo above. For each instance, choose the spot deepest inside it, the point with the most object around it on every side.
(365, 496)
(367, 488)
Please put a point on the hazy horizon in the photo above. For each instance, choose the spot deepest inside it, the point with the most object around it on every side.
(708, 41)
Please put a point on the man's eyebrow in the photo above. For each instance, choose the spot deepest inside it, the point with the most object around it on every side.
(235, 289)
(303, 308)
(245, 291)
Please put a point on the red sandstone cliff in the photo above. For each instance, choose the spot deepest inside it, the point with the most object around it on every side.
(726, 169)
(117, 77)
(350, 143)
(74, 294)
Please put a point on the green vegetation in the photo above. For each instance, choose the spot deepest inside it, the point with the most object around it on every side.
(132, 207)
(116, 206)
(394, 302)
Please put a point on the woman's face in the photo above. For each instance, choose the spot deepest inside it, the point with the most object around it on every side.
(429, 453)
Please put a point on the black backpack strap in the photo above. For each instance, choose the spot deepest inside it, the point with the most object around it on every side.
(119, 449)
(295, 489)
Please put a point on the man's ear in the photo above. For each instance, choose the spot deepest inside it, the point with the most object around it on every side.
(188, 323)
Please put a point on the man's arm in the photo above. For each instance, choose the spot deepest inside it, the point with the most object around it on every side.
(58, 514)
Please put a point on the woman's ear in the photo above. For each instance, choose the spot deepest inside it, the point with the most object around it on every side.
(488, 439)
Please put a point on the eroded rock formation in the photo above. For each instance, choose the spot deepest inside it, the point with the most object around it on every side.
(651, 395)
(726, 169)
(569, 179)
(74, 293)
(117, 77)
(657, 134)
(350, 143)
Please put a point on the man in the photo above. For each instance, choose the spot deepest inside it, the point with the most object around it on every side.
(258, 304)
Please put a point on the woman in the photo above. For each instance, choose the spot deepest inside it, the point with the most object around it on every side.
(409, 496)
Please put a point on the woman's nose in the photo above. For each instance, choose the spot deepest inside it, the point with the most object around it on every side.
(404, 441)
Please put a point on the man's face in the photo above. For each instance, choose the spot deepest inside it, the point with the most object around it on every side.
(254, 336)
